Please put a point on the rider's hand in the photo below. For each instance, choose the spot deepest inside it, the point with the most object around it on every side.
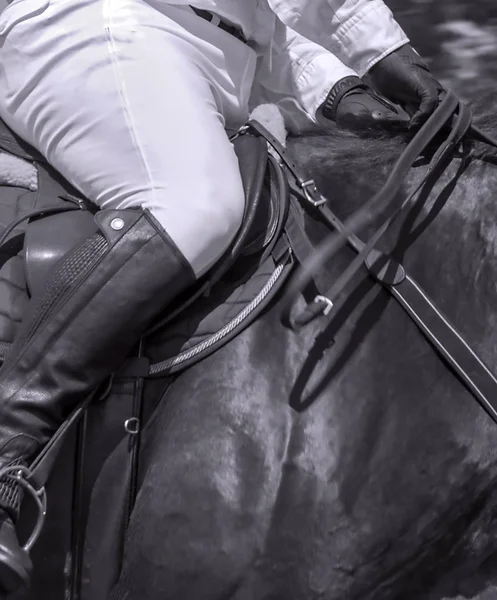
(354, 106)
(404, 78)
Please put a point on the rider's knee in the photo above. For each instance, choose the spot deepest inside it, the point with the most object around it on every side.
(224, 212)
(204, 219)
(220, 218)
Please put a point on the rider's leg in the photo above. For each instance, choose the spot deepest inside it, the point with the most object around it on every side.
(80, 93)
(131, 108)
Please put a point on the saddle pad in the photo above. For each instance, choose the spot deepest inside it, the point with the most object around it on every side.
(214, 320)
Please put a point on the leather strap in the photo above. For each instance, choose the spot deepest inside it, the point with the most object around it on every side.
(473, 373)
(365, 250)
(312, 199)
(451, 346)
(306, 186)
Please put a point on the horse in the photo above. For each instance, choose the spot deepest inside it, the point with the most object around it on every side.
(342, 462)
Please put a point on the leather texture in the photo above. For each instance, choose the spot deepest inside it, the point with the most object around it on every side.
(404, 78)
(92, 311)
(353, 105)
(15, 563)
(253, 159)
(384, 268)
(48, 240)
(337, 92)
(80, 327)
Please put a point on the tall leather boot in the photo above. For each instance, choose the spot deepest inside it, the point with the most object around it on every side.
(97, 303)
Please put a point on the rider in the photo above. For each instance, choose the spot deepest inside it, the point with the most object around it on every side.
(130, 102)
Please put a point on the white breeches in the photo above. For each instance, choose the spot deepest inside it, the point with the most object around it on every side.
(129, 100)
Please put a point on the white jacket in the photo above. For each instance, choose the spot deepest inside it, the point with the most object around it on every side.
(348, 37)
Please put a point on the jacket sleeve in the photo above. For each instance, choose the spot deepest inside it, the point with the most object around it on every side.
(296, 72)
(359, 32)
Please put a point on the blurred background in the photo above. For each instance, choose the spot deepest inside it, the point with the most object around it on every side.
(458, 38)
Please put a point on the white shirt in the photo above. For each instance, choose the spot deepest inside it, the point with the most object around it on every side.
(342, 37)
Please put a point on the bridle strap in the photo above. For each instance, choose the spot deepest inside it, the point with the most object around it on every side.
(383, 198)
(450, 345)
(305, 188)
(331, 245)
(473, 373)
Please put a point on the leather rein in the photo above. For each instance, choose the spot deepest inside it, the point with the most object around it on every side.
(455, 117)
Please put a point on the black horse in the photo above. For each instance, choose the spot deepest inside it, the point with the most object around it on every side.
(379, 484)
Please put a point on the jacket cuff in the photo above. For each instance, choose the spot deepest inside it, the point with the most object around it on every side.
(368, 36)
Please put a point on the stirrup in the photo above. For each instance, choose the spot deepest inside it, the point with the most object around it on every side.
(20, 474)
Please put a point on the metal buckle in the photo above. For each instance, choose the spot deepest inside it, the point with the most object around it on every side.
(310, 191)
(20, 474)
(132, 426)
(243, 129)
(327, 302)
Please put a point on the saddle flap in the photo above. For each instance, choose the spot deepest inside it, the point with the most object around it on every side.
(13, 144)
(48, 239)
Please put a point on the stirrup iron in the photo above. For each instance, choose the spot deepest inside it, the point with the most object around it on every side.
(21, 474)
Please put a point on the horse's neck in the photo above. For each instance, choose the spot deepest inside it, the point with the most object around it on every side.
(447, 242)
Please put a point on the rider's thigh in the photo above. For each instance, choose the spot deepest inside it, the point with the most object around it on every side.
(131, 108)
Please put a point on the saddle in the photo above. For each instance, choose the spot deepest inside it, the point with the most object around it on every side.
(39, 227)
(42, 226)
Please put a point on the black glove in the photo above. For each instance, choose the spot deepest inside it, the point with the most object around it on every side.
(404, 78)
(352, 105)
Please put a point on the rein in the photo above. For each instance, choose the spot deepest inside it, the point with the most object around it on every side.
(366, 252)
(459, 356)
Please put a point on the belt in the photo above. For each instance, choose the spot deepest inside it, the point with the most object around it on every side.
(218, 22)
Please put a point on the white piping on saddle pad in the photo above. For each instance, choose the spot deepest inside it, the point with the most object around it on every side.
(17, 172)
(270, 116)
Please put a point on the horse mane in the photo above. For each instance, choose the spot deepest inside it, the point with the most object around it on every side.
(349, 167)
(362, 151)
(374, 152)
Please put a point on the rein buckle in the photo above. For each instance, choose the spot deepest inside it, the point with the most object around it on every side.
(311, 192)
(328, 304)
